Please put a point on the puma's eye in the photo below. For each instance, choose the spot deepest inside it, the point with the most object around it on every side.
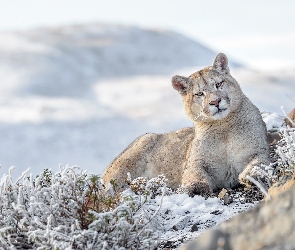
(219, 84)
(199, 94)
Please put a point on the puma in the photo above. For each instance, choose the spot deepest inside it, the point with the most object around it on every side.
(228, 139)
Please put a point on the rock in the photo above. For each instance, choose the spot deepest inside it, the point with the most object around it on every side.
(292, 117)
(222, 193)
(270, 225)
(195, 227)
(217, 212)
(179, 225)
(273, 137)
(225, 197)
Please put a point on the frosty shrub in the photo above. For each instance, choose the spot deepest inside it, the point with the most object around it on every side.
(149, 187)
(69, 210)
(286, 150)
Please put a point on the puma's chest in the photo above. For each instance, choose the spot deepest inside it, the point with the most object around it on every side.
(219, 147)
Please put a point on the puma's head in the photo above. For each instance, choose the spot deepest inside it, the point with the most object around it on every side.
(211, 93)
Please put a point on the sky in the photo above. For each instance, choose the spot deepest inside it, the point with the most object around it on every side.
(260, 34)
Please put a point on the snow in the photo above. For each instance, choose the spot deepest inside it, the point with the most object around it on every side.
(79, 95)
(273, 121)
(179, 213)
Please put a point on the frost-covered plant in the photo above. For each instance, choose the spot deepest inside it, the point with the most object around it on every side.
(286, 150)
(68, 210)
(124, 227)
(147, 190)
(150, 187)
(182, 190)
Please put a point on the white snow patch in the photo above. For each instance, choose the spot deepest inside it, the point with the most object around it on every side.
(273, 121)
(184, 217)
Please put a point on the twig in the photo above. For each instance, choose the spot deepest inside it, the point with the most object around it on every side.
(290, 98)
(156, 212)
(23, 176)
(258, 184)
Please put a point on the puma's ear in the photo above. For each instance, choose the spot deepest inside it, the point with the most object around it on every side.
(181, 84)
(221, 63)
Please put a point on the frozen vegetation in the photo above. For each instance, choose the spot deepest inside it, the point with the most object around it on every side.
(69, 210)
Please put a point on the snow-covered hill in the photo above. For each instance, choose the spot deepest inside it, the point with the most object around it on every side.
(67, 61)
(80, 94)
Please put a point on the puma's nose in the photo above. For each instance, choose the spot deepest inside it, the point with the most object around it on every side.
(216, 102)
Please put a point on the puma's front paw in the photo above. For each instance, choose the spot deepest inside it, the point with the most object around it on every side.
(262, 174)
(243, 177)
(199, 188)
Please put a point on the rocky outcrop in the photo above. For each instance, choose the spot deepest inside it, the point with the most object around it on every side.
(269, 225)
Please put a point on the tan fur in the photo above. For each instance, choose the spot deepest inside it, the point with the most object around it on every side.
(227, 141)
(292, 117)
